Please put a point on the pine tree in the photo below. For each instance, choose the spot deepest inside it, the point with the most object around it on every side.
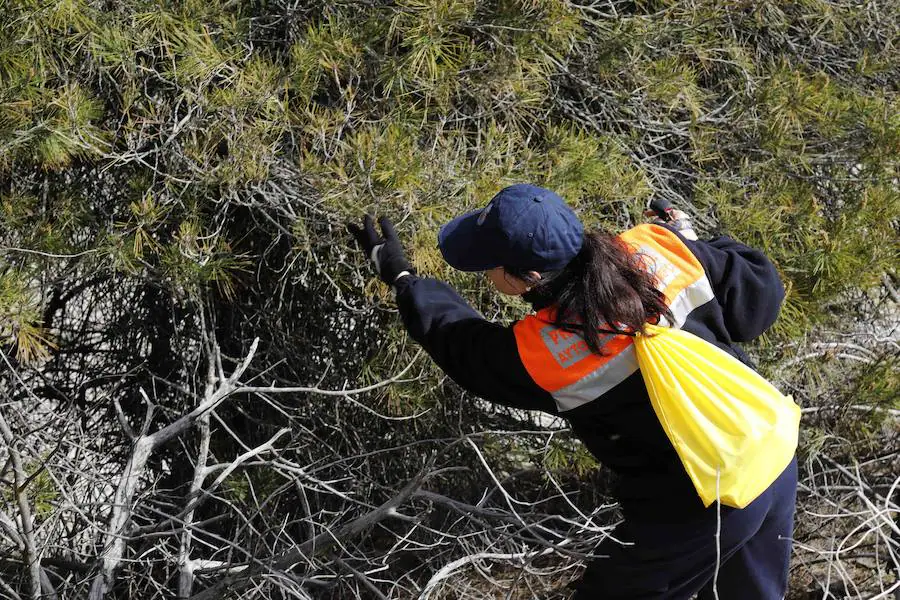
(174, 182)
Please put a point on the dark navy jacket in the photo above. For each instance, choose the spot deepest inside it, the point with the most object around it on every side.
(620, 428)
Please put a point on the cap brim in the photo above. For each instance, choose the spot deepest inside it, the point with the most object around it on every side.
(463, 243)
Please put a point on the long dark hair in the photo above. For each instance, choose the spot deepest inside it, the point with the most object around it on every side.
(606, 289)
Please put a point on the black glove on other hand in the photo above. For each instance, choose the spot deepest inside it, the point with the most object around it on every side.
(385, 252)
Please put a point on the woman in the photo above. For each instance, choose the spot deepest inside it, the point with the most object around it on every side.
(575, 358)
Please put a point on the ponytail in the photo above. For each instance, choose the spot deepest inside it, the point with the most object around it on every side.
(606, 289)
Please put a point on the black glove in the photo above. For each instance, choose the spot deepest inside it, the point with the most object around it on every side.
(386, 253)
(674, 218)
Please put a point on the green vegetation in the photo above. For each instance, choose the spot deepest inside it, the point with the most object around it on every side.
(173, 171)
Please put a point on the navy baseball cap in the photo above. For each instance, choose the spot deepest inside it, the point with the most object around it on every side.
(523, 227)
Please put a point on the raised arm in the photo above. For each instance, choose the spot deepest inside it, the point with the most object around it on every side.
(480, 356)
(746, 285)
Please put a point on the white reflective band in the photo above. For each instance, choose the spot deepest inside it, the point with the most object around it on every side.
(621, 366)
(693, 296)
(597, 382)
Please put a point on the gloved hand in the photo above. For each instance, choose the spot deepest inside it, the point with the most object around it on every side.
(386, 253)
(679, 220)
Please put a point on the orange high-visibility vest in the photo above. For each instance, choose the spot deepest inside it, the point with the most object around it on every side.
(560, 361)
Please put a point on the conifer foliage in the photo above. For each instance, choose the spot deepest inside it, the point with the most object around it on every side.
(203, 389)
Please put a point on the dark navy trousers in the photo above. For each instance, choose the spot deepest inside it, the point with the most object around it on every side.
(675, 561)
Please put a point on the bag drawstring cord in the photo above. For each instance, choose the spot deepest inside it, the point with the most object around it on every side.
(718, 535)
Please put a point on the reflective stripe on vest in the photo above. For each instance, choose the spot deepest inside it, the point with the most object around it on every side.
(561, 362)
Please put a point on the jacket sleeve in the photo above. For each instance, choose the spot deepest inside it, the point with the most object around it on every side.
(477, 354)
(746, 285)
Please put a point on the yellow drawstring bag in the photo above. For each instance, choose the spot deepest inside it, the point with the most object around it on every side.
(733, 430)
